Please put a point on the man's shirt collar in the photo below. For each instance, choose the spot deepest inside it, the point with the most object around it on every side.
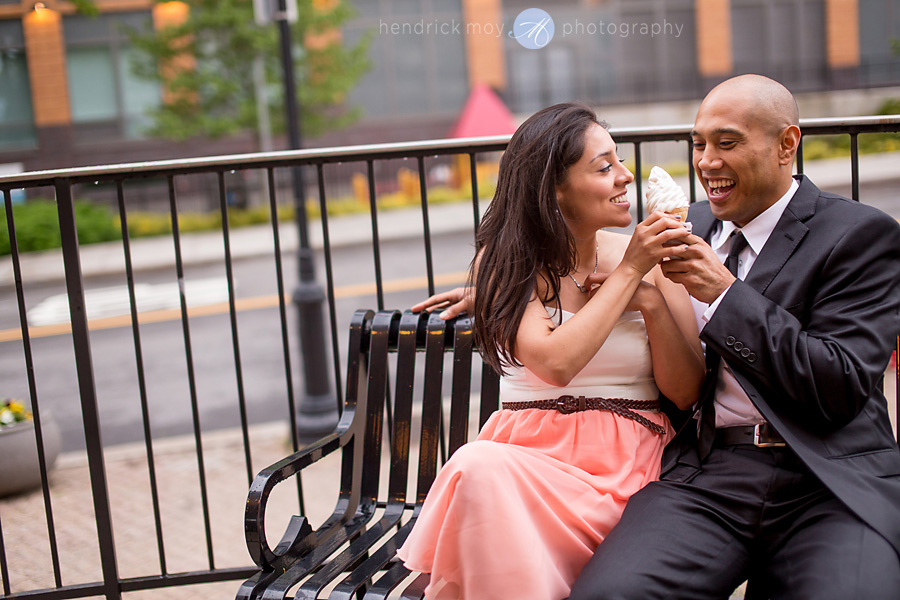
(759, 229)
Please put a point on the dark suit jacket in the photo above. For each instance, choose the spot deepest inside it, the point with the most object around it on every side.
(819, 312)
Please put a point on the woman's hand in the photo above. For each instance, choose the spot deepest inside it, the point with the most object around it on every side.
(652, 240)
(454, 302)
(646, 297)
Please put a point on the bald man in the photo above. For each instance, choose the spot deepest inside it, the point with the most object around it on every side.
(788, 473)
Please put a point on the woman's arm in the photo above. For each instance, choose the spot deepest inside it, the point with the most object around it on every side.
(557, 353)
(678, 364)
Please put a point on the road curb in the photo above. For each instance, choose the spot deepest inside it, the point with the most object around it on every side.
(208, 247)
(108, 258)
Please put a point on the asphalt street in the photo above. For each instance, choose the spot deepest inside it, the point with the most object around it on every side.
(163, 343)
(216, 386)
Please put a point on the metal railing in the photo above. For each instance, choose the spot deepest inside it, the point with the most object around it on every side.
(63, 183)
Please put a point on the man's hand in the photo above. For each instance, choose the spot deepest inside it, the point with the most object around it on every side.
(455, 301)
(699, 270)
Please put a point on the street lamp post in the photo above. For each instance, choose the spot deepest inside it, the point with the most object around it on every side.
(318, 410)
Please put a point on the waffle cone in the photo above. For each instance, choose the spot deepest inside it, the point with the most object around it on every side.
(680, 212)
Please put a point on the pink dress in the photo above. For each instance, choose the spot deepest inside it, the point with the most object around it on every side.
(518, 512)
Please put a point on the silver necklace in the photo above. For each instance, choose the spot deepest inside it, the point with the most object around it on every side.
(584, 288)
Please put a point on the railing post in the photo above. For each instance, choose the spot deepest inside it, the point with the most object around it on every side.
(854, 166)
(88, 391)
(318, 411)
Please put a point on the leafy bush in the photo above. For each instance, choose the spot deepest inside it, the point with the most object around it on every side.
(833, 146)
(146, 224)
(37, 225)
(96, 223)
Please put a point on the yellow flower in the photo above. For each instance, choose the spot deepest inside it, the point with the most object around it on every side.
(12, 411)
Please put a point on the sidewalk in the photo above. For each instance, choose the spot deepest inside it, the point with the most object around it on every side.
(205, 247)
(24, 523)
(25, 529)
(198, 248)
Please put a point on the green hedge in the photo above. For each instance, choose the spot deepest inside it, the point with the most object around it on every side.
(37, 225)
(832, 146)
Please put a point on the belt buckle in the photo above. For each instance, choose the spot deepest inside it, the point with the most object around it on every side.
(761, 437)
(567, 404)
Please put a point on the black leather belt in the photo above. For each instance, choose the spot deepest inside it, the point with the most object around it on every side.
(567, 404)
(762, 436)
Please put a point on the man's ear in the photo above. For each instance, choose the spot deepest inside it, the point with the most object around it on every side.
(788, 143)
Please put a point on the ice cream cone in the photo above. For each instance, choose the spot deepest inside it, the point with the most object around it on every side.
(664, 195)
(680, 212)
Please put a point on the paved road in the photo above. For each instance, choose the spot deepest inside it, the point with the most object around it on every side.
(215, 385)
(163, 342)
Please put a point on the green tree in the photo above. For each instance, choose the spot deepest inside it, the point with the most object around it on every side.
(205, 67)
(86, 7)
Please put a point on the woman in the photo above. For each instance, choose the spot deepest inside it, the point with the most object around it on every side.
(560, 308)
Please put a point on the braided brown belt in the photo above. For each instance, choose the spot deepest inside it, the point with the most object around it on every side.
(569, 404)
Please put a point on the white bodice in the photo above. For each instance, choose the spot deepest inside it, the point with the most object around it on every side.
(621, 369)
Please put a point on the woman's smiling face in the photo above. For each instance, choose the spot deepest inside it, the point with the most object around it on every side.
(593, 193)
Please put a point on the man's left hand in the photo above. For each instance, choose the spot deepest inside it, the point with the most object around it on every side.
(699, 270)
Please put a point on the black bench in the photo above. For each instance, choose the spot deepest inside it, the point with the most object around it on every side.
(355, 547)
(353, 553)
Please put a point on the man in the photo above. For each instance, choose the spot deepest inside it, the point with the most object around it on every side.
(789, 475)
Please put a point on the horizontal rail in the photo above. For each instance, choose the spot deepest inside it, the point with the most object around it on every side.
(867, 124)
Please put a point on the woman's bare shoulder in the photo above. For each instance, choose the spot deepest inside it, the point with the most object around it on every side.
(614, 241)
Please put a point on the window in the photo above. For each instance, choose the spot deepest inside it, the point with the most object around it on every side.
(612, 52)
(542, 77)
(108, 101)
(417, 55)
(784, 40)
(16, 116)
(879, 40)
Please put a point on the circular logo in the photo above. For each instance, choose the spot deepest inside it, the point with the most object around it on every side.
(533, 28)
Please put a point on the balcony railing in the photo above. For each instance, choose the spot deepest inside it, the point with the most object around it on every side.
(25, 368)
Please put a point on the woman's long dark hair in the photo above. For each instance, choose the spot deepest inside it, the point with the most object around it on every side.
(523, 235)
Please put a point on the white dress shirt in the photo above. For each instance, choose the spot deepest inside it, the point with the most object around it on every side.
(733, 406)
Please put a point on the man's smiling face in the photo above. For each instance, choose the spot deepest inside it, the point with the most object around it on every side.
(736, 156)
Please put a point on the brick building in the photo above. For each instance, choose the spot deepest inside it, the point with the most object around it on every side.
(68, 98)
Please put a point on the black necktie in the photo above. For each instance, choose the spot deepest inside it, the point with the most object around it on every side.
(738, 243)
(708, 415)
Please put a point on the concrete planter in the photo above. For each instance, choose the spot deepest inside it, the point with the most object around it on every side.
(19, 467)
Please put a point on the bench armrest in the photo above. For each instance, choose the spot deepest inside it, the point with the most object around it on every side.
(299, 538)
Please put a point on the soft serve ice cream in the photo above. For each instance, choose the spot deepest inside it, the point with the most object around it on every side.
(664, 195)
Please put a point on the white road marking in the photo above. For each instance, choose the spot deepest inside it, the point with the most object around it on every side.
(114, 301)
